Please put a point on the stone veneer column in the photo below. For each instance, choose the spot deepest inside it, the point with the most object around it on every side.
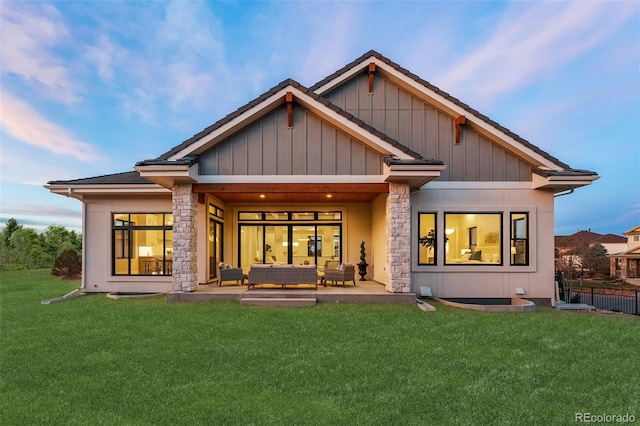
(398, 214)
(185, 266)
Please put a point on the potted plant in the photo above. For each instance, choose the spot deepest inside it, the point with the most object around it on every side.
(429, 241)
(362, 265)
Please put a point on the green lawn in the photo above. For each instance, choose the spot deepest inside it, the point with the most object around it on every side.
(98, 361)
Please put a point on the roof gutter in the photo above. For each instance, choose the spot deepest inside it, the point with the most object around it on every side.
(567, 192)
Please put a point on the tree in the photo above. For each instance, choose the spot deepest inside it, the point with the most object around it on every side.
(595, 259)
(24, 248)
(58, 238)
(11, 227)
(67, 264)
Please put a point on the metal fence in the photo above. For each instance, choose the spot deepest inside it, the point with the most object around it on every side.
(626, 301)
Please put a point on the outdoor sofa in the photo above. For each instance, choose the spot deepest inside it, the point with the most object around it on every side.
(283, 274)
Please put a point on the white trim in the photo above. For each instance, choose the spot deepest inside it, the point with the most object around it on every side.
(77, 191)
(309, 103)
(477, 185)
(347, 75)
(290, 179)
(562, 181)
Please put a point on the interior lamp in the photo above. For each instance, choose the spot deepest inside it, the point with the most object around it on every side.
(513, 250)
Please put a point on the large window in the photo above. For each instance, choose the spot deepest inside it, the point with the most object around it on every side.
(473, 238)
(289, 238)
(142, 243)
(427, 239)
(519, 239)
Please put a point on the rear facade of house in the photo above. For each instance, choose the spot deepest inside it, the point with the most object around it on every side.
(442, 196)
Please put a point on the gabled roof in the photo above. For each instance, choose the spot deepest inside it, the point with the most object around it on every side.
(327, 84)
(181, 162)
(289, 83)
(586, 238)
(633, 231)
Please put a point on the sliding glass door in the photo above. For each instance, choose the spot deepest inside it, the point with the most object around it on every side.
(299, 244)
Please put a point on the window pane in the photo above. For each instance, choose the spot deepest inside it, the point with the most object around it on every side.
(330, 216)
(121, 219)
(427, 239)
(252, 246)
(142, 251)
(249, 216)
(276, 216)
(519, 239)
(473, 238)
(302, 216)
(146, 219)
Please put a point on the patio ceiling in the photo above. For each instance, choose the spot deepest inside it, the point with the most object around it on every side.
(293, 192)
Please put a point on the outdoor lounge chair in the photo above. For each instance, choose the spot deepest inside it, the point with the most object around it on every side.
(226, 273)
(344, 272)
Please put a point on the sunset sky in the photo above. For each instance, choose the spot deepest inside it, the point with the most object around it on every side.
(90, 88)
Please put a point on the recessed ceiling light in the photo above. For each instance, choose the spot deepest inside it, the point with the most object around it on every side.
(262, 195)
(329, 195)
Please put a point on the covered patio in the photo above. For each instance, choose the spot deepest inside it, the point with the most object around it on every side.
(267, 294)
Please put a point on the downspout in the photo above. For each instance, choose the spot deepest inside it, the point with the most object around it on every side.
(84, 247)
(557, 290)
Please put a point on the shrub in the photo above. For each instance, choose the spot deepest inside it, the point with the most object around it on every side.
(67, 264)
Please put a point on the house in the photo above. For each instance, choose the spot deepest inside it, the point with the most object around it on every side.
(569, 247)
(373, 154)
(627, 264)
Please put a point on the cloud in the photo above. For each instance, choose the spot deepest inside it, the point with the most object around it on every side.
(173, 58)
(24, 123)
(30, 209)
(526, 44)
(329, 50)
(30, 33)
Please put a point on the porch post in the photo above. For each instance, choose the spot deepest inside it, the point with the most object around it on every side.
(398, 214)
(185, 267)
(624, 268)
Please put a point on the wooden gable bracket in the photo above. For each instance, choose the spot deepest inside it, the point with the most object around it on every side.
(459, 121)
(289, 100)
(372, 70)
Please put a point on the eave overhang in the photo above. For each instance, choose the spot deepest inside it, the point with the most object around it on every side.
(79, 192)
(166, 173)
(562, 180)
(414, 173)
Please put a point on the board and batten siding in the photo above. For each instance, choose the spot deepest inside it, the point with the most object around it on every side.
(311, 147)
(428, 131)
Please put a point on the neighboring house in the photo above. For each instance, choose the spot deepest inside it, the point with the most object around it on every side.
(569, 247)
(371, 153)
(627, 264)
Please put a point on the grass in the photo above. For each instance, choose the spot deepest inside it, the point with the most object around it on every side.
(99, 361)
(603, 284)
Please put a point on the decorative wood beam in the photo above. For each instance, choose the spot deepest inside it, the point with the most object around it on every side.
(458, 126)
(372, 70)
(289, 100)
